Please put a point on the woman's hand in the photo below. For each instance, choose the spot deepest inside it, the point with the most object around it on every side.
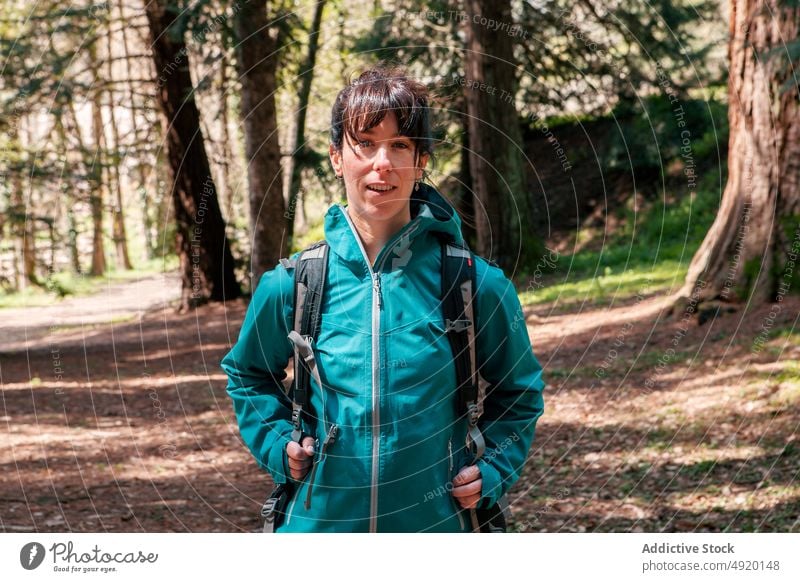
(467, 486)
(300, 458)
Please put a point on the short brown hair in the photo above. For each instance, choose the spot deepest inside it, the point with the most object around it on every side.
(364, 102)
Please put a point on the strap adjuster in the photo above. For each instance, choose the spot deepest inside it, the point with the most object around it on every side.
(268, 509)
(457, 326)
(472, 414)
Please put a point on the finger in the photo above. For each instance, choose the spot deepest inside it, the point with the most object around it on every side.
(299, 465)
(298, 475)
(295, 451)
(471, 488)
(308, 445)
(469, 502)
(467, 474)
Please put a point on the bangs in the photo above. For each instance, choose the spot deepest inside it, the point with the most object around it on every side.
(369, 107)
(365, 102)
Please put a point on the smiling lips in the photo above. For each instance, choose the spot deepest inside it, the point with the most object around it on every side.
(380, 187)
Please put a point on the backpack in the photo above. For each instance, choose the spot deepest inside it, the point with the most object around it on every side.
(458, 285)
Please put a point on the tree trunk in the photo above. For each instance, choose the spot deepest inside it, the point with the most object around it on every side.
(72, 242)
(96, 197)
(300, 152)
(141, 165)
(118, 214)
(466, 198)
(205, 255)
(256, 65)
(502, 203)
(751, 250)
(23, 225)
(72, 234)
(226, 146)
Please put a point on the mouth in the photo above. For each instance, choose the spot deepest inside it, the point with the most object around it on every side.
(381, 188)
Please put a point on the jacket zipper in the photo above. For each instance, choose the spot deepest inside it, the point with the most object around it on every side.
(291, 507)
(377, 305)
(376, 324)
(329, 440)
(450, 477)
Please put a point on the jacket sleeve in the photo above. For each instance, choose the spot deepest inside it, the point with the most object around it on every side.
(256, 367)
(513, 400)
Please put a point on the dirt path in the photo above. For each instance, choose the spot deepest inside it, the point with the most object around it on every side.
(651, 423)
(21, 328)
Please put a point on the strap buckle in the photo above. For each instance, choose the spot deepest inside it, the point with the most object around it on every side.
(297, 426)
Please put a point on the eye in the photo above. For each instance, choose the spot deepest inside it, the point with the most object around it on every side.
(364, 143)
(401, 145)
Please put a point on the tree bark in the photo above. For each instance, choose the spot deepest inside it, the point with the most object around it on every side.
(300, 152)
(96, 197)
(256, 64)
(23, 226)
(225, 147)
(205, 255)
(751, 250)
(502, 203)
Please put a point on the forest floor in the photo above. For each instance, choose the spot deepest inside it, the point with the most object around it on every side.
(118, 420)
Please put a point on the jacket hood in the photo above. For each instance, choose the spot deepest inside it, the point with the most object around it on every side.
(430, 212)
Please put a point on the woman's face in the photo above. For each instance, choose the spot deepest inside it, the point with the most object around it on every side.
(379, 173)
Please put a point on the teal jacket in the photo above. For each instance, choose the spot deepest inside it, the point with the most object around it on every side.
(389, 381)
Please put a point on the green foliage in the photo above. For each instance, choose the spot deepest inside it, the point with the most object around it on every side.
(570, 289)
(649, 254)
(671, 229)
(658, 237)
(594, 54)
(316, 232)
(656, 131)
(787, 262)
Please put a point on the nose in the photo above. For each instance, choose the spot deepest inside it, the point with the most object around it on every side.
(382, 163)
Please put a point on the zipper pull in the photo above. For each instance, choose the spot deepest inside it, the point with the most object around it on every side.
(450, 455)
(377, 286)
(329, 440)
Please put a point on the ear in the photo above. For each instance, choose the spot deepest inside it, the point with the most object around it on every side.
(336, 160)
(423, 162)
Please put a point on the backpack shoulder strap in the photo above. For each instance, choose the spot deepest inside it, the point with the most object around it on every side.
(309, 282)
(458, 292)
(310, 269)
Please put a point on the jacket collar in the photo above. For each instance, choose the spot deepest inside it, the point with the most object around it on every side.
(430, 212)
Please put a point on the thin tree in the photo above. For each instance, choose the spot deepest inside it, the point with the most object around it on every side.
(752, 247)
(117, 207)
(301, 153)
(142, 166)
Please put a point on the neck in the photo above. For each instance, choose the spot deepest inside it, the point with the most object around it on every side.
(375, 234)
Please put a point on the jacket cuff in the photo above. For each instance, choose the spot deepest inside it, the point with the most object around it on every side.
(277, 463)
(491, 484)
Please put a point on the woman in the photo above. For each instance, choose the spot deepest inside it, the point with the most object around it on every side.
(400, 460)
